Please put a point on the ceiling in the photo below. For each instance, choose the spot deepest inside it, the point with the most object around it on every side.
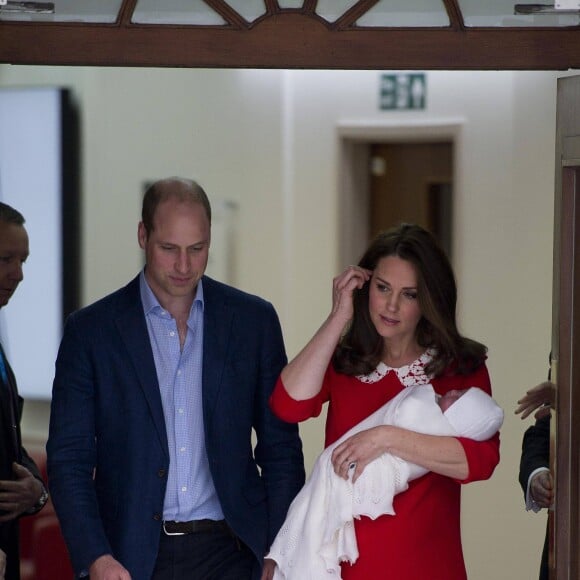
(350, 34)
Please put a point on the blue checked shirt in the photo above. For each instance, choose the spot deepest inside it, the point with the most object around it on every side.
(190, 493)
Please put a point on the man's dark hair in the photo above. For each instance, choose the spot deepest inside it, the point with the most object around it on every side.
(10, 215)
(184, 190)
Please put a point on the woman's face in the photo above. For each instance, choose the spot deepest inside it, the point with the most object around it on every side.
(393, 303)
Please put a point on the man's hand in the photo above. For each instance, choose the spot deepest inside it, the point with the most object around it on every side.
(541, 397)
(542, 489)
(268, 569)
(19, 495)
(2, 565)
(107, 568)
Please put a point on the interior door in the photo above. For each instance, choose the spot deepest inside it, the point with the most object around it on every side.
(412, 182)
(566, 335)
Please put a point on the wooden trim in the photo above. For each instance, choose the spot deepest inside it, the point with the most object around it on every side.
(126, 12)
(567, 428)
(272, 6)
(288, 40)
(565, 519)
(228, 14)
(455, 14)
(348, 19)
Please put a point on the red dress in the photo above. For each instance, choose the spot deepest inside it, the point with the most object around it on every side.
(423, 540)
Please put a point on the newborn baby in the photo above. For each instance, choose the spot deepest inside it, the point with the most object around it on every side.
(318, 532)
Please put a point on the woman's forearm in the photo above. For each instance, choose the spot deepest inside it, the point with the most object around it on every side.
(440, 454)
(303, 376)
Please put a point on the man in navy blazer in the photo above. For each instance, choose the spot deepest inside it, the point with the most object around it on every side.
(158, 387)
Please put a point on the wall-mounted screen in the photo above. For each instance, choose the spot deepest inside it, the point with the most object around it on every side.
(39, 177)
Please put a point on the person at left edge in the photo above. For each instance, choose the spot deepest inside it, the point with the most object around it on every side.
(158, 387)
(22, 491)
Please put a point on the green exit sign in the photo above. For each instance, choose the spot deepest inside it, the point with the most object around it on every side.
(403, 91)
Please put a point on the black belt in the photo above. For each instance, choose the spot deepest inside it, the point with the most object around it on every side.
(194, 526)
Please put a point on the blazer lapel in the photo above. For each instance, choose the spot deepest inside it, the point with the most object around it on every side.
(133, 330)
(217, 322)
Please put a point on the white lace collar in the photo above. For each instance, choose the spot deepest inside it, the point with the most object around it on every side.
(411, 374)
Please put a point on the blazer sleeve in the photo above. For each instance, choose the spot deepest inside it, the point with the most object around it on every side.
(21, 454)
(71, 450)
(278, 449)
(535, 450)
(28, 462)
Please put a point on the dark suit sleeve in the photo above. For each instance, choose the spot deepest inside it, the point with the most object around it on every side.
(25, 459)
(279, 449)
(22, 456)
(16, 403)
(535, 450)
(71, 451)
(28, 462)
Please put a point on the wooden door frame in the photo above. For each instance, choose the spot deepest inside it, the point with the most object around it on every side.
(565, 338)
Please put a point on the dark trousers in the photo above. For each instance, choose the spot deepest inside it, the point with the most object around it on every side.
(208, 555)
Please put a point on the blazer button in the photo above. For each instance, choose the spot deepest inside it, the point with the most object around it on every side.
(157, 517)
(161, 473)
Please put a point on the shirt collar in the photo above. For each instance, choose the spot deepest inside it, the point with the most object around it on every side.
(150, 302)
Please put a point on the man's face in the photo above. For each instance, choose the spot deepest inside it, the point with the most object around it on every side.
(13, 254)
(176, 250)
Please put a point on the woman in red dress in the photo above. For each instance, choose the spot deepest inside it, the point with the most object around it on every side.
(393, 324)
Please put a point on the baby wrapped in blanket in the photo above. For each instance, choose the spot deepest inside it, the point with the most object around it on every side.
(318, 532)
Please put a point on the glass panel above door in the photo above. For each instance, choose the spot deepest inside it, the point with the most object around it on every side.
(185, 12)
(511, 13)
(103, 11)
(406, 13)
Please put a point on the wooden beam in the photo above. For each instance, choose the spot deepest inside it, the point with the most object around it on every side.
(289, 40)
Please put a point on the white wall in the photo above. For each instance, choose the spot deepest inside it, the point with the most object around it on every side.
(30, 179)
(268, 140)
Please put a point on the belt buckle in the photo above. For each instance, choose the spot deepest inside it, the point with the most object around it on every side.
(172, 533)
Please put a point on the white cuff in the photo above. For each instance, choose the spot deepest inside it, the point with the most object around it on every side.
(530, 502)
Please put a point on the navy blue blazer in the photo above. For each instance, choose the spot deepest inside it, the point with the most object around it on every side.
(107, 451)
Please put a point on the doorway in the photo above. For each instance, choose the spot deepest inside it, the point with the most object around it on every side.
(413, 183)
(396, 174)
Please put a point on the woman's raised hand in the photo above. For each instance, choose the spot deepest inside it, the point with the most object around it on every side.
(343, 286)
(304, 374)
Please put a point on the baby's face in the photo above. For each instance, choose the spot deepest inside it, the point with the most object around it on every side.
(449, 398)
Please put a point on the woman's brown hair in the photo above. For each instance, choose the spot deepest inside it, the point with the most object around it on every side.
(361, 347)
